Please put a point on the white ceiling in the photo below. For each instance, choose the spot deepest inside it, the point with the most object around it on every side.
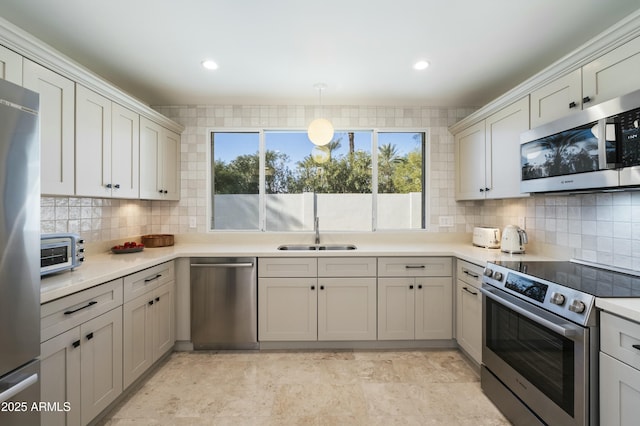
(273, 52)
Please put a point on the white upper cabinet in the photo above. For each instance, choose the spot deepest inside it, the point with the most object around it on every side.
(10, 66)
(613, 74)
(57, 109)
(488, 155)
(470, 164)
(502, 139)
(557, 99)
(107, 147)
(159, 162)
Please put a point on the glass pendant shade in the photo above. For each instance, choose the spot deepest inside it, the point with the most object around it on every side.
(320, 131)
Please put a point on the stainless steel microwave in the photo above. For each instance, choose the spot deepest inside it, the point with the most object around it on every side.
(60, 252)
(597, 148)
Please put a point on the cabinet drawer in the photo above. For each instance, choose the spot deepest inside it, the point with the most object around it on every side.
(141, 282)
(63, 314)
(617, 337)
(287, 267)
(347, 267)
(414, 267)
(469, 273)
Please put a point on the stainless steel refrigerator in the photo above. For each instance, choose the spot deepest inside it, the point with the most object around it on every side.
(19, 256)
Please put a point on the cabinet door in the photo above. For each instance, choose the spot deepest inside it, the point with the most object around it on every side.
(100, 363)
(60, 377)
(619, 393)
(10, 66)
(125, 152)
(93, 144)
(287, 309)
(613, 74)
(502, 155)
(150, 140)
(434, 308)
(557, 99)
(396, 309)
(137, 345)
(170, 161)
(347, 309)
(470, 163)
(164, 320)
(469, 320)
(57, 132)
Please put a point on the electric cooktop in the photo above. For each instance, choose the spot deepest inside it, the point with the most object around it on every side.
(594, 279)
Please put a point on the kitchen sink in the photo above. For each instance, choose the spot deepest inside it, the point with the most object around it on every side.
(308, 247)
(337, 247)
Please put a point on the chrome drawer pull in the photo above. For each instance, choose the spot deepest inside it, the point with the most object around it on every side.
(93, 302)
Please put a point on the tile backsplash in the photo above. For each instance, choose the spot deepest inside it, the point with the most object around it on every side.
(603, 227)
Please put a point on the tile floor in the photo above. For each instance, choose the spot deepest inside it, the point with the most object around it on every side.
(434, 387)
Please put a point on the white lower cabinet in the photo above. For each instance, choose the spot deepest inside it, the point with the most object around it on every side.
(100, 363)
(81, 353)
(415, 298)
(331, 299)
(93, 346)
(287, 309)
(619, 371)
(469, 309)
(414, 308)
(149, 319)
(347, 308)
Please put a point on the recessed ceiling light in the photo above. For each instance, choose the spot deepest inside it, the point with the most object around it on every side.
(209, 64)
(421, 65)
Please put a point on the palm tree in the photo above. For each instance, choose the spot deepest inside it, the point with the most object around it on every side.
(388, 159)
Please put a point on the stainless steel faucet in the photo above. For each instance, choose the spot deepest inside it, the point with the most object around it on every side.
(316, 228)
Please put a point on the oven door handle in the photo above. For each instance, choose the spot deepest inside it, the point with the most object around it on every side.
(551, 325)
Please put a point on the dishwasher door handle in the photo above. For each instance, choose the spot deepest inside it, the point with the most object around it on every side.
(222, 265)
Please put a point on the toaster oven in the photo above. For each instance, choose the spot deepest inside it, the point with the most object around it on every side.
(60, 252)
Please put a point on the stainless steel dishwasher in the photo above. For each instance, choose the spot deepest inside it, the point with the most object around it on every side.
(224, 303)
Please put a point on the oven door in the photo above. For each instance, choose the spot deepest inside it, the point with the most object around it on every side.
(540, 357)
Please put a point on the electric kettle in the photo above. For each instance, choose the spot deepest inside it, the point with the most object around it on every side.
(513, 239)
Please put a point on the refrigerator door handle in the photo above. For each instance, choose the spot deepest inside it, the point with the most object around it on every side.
(19, 387)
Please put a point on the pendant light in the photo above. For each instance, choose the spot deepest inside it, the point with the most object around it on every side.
(320, 131)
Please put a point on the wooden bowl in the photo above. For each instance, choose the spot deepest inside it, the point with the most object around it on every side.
(157, 240)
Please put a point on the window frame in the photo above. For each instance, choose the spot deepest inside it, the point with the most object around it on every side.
(262, 221)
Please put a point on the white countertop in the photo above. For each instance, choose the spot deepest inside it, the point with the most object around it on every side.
(628, 307)
(104, 267)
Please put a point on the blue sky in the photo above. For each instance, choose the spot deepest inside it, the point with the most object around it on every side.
(297, 146)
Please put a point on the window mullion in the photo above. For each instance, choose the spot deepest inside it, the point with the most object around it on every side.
(262, 179)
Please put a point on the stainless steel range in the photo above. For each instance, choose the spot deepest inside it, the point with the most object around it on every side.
(540, 338)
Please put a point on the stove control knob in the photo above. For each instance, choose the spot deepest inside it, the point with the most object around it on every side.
(577, 306)
(557, 299)
(488, 272)
(497, 276)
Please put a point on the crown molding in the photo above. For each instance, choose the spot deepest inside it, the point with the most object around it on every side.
(619, 34)
(30, 47)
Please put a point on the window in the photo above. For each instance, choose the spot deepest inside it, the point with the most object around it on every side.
(360, 181)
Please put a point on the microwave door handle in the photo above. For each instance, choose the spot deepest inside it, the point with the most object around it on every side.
(602, 145)
(556, 327)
